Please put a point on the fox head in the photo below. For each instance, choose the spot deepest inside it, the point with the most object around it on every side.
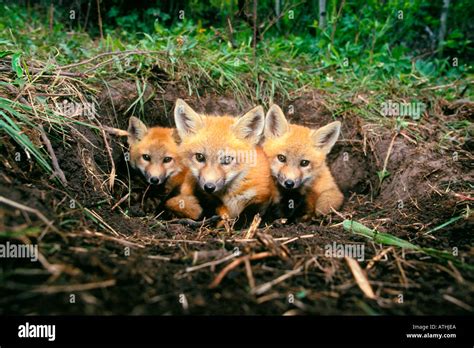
(219, 150)
(153, 151)
(296, 153)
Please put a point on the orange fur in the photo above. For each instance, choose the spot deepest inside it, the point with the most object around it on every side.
(224, 161)
(297, 157)
(162, 164)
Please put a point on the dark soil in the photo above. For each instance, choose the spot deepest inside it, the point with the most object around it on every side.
(126, 258)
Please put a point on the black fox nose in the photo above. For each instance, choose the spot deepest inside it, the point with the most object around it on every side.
(154, 180)
(209, 188)
(289, 184)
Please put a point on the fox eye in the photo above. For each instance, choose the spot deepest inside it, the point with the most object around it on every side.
(146, 157)
(227, 160)
(304, 163)
(281, 158)
(200, 157)
(167, 159)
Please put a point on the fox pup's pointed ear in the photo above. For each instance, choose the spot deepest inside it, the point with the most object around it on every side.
(136, 130)
(187, 120)
(325, 137)
(275, 122)
(250, 126)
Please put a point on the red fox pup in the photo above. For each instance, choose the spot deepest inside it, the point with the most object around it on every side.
(297, 158)
(226, 167)
(154, 152)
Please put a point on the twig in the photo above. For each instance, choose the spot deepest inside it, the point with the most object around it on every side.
(115, 131)
(218, 279)
(99, 18)
(180, 241)
(267, 286)
(120, 201)
(75, 287)
(254, 41)
(113, 53)
(458, 302)
(15, 91)
(400, 268)
(51, 16)
(211, 263)
(102, 221)
(291, 240)
(57, 170)
(159, 257)
(30, 210)
(118, 240)
(112, 163)
(360, 277)
(277, 18)
(253, 227)
(385, 162)
(334, 25)
(377, 257)
(195, 224)
(248, 271)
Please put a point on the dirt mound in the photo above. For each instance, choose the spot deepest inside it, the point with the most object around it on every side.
(114, 242)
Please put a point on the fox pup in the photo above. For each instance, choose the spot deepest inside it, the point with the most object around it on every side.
(154, 152)
(228, 172)
(297, 158)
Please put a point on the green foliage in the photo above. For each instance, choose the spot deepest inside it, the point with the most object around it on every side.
(369, 46)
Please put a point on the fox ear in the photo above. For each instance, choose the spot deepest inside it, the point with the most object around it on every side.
(325, 137)
(275, 122)
(136, 130)
(250, 126)
(187, 120)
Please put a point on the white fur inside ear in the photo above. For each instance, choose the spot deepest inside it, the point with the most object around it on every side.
(250, 126)
(136, 130)
(325, 137)
(187, 120)
(275, 122)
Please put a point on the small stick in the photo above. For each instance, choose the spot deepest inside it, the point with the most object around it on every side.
(400, 268)
(121, 201)
(458, 302)
(57, 170)
(72, 288)
(377, 257)
(248, 271)
(99, 18)
(159, 257)
(267, 286)
(47, 74)
(253, 227)
(112, 163)
(295, 238)
(389, 152)
(102, 221)
(360, 278)
(196, 224)
(30, 210)
(210, 263)
(113, 239)
(115, 131)
(218, 279)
